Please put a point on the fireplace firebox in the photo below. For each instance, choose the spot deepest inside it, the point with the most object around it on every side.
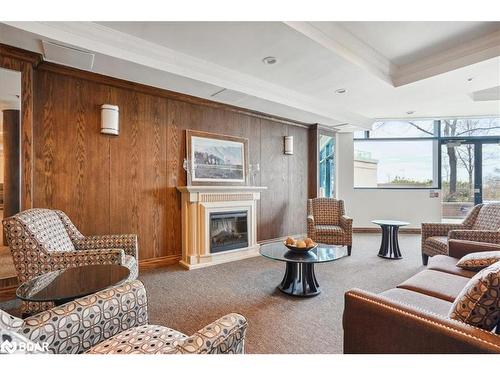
(228, 230)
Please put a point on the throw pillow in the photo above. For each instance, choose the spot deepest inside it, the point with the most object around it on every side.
(478, 303)
(478, 261)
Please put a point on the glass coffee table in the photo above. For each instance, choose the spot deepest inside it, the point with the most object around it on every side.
(299, 279)
(66, 285)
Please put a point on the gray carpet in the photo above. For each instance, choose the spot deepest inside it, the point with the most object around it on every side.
(188, 300)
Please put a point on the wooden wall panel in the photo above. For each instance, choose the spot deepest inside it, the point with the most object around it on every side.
(127, 184)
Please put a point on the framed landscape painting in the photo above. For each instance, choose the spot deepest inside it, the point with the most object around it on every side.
(216, 159)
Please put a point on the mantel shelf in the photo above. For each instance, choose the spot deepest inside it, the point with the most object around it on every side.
(222, 188)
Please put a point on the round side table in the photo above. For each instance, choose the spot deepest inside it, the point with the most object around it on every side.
(389, 247)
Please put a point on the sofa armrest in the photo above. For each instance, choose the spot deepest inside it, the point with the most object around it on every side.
(459, 248)
(127, 242)
(78, 325)
(224, 336)
(378, 325)
(66, 259)
(491, 236)
(438, 229)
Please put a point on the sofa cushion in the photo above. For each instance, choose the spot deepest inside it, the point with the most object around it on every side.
(419, 300)
(478, 261)
(328, 229)
(436, 284)
(479, 302)
(146, 339)
(488, 217)
(445, 263)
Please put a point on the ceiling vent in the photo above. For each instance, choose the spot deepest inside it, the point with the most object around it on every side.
(228, 96)
(68, 56)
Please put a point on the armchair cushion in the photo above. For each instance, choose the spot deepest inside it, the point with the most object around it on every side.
(225, 335)
(328, 229)
(78, 325)
(9, 322)
(479, 302)
(478, 261)
(146, 339)
(436, 245)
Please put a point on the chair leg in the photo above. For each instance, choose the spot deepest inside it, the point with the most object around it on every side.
(425, 259)
(349, 250)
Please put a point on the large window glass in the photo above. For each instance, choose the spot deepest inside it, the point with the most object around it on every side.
(395, 164)
(482, 127)
(326, 166)
(404, 129)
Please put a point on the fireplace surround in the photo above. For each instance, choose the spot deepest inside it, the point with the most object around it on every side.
(219, 224)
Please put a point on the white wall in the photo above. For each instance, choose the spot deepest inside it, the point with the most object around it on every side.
(365, 205)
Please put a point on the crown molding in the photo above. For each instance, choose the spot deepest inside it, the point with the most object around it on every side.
(110, 42)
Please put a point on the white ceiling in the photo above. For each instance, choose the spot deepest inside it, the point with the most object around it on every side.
(388, 68)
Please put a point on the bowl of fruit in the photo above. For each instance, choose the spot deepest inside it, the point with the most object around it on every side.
(300, 246)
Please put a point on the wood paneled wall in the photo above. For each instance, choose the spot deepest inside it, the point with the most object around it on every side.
(127, 184)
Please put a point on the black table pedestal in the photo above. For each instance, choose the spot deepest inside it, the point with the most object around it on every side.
(300, 280)
(389, 248)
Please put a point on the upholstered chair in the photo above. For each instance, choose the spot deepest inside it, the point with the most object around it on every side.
(327, 222)
(482, 224)
(115, 321)
(43, 240)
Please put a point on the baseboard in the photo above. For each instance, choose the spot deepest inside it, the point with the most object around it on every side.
(378, 230)
(148, 264)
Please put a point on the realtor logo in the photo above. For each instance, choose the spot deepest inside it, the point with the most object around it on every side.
(8, 347)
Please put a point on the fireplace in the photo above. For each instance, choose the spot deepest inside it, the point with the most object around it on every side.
(228, 231)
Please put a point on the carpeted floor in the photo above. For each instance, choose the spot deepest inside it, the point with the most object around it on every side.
(188, 300)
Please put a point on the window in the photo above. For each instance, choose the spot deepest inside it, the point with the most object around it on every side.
(397, 154)
(395, 164)
(406, 153)
(326, 166)
(461, 128)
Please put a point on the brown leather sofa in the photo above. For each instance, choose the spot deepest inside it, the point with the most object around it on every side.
(413, 317)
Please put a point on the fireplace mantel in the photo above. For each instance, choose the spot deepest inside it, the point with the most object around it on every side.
(198, 202)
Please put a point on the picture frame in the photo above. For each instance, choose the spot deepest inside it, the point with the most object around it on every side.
(216, 159)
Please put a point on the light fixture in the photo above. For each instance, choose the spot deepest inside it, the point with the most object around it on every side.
(288, 145)
(410, 112)
(270, 60)
(109, 119)
(340, 91)
(470, 79)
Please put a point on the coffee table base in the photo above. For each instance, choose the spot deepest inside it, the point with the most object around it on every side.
(300, 280)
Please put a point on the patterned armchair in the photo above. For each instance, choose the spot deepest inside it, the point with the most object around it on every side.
(482, 224)
(115, 321)
(327, 222)
(43, 240)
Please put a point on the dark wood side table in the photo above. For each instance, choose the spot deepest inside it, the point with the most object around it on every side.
(63, 286)
(389, 247)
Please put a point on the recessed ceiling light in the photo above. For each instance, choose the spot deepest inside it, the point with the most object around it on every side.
(270, 60)
(410, 112)
(470, 79)
(340, 91)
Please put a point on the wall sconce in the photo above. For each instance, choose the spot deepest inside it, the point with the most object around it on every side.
(110, 119)
(289, 145)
